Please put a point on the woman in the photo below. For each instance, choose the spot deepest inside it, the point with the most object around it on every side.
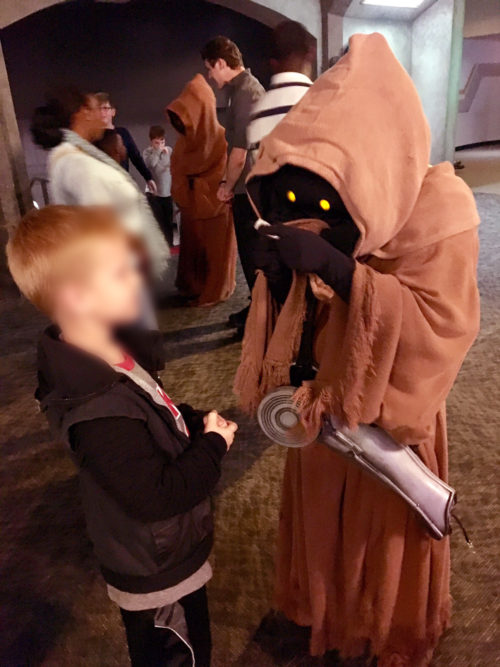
(81, 174)
(390, 245)
(207, 261)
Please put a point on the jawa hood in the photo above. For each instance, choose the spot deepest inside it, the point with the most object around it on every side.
(362, 128)
(199, 156)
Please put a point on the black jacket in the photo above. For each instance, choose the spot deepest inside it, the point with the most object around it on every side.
(145, 486)
(133, 154)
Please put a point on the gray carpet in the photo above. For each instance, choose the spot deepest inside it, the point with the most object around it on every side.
(53, 606)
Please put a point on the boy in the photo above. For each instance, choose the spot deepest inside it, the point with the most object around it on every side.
(146, 467)
(157, 159)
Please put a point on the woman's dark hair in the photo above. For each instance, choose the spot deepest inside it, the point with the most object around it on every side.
(49, 120)
(222, 47)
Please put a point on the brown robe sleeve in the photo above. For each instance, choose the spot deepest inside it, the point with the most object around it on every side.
(410, 323)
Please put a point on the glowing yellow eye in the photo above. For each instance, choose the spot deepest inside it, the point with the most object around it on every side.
(324, 204)
(290, 195)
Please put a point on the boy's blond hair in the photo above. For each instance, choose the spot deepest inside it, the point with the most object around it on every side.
(45, 238)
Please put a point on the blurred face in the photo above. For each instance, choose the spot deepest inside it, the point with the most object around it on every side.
(217, 72)
(158, 143)
(109, 291)
(90, 116)
(108, 113)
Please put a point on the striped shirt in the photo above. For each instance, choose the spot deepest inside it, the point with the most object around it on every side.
(285, 90)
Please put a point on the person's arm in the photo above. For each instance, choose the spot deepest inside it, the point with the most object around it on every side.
(163, 162)
(240, 110)
(151, 158)
(165, 158)
(87, 184)
(123, 458)
(418, 322)
(135, 156)
(157, 159)
(235, 165)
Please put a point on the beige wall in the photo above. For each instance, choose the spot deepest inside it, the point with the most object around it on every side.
(479, 116)
(14, 10)
(271, 12)
(482, 17)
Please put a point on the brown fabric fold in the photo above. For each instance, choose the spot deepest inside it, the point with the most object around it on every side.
(272, 339)
(207, 261)
(353, 563)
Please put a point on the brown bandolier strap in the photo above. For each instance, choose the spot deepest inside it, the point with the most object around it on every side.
(304, 368)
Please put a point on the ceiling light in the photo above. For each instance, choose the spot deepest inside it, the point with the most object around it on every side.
(407, 4)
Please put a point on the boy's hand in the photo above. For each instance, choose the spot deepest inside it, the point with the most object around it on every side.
(214, 423)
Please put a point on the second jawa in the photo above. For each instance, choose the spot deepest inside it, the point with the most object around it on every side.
(207, 261)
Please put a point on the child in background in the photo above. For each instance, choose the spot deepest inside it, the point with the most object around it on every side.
(146, 466)
(157, 159)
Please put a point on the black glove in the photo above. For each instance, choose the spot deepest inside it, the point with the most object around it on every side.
(305, 252)
(267, 259)
(343, 235)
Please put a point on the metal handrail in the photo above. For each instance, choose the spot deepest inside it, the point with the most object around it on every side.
(44, 185)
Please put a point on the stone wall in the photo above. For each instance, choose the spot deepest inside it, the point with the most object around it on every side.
(15, 199)
(435, 68)
(397, 33)
(430, 49)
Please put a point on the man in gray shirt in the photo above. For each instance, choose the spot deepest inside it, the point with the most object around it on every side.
(224, 64)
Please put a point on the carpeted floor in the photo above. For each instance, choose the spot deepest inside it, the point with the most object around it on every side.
(54, 610)
(481, 168)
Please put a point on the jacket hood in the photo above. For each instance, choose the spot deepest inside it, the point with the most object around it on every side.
(68, 376)
(362, 128)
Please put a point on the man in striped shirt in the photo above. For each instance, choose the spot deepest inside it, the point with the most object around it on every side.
(292, 57)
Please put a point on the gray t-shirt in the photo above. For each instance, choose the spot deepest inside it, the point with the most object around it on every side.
(158, 162)
(244, 91)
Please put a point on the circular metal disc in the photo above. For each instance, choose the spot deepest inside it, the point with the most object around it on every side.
(278, 417)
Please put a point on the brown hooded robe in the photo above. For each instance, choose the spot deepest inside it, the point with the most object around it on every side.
(207, 260)
(353, 563)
